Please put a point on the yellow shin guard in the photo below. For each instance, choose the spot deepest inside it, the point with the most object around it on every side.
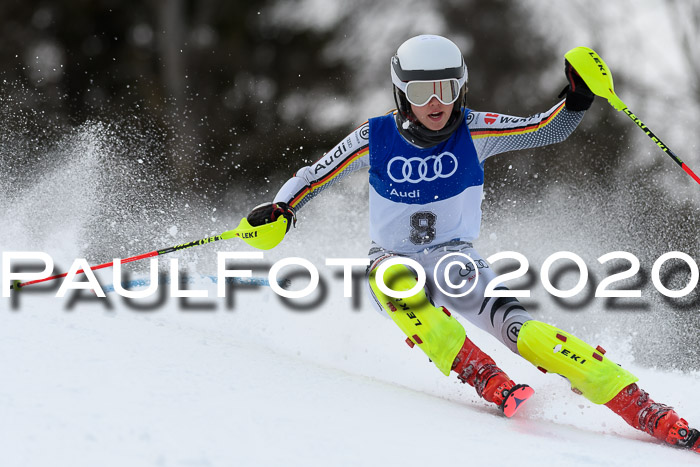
(588, 371)
(433, 329)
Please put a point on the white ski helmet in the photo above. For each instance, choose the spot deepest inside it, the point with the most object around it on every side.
(426, 59)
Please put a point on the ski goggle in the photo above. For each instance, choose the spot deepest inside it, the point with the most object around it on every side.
(419, 93)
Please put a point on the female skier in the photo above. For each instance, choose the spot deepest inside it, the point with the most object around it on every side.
(426, 173)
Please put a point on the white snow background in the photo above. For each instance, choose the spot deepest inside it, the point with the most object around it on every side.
(88, 382)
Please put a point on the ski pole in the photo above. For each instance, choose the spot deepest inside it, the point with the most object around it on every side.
(263, 237)
(598, 77)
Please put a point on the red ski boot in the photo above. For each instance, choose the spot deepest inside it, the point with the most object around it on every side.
(662, 422)
(477, 369)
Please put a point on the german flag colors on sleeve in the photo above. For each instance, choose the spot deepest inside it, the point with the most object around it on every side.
(351, 154)
(494, 133)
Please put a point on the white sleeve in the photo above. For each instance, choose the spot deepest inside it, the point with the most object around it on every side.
(494, 133)
(351, 154)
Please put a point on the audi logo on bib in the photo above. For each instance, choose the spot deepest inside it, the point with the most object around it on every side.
(415, 169)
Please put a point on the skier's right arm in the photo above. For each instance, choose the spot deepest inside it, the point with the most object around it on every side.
(351, 154)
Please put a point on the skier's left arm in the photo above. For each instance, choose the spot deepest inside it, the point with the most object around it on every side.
(496, 133)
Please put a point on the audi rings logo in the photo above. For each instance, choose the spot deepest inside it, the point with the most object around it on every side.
(415, 169)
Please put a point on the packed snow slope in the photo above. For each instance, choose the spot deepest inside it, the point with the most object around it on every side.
(205, 384)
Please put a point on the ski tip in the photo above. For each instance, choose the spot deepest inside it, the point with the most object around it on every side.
(515, 399)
